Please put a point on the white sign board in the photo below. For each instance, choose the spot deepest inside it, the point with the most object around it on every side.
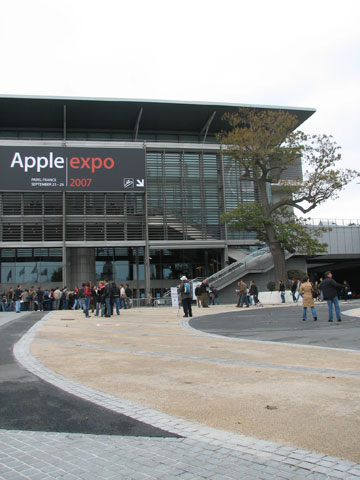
(174, 297)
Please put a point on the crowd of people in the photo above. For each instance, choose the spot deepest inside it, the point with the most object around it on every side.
(326, 289)
(103, 299)
(107, 297)
(344, 290)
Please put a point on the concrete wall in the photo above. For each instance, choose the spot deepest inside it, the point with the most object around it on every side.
(342, 239)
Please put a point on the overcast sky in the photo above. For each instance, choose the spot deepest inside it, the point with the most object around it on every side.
(268, 52)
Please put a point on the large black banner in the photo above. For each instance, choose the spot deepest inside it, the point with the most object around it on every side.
(72, 169)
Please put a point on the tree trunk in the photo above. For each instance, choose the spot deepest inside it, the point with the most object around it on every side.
(274, 246)
(278, 256)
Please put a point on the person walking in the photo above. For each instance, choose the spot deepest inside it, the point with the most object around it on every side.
(26, 300)
(40, 299)
(330, 290)
(122, 297)
(198, 294)
(316, 291)
(214, 295)
(293, 289)
(17, 298)
(57, 298)
(347, 290)
(253, 292)
(307, 290)
(81, 294)
(242, 293)
(128, 295)
(10, 300)
(204, 289)
(185, 289)
(282, 290)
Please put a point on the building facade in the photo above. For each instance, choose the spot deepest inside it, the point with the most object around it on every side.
(126, 190)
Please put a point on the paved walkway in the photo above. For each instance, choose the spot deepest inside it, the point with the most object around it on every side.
(146, 365)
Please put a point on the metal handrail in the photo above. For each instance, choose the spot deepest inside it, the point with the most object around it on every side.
(236, 265)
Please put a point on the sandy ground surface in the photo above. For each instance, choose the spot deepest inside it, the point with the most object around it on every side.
(146, 356)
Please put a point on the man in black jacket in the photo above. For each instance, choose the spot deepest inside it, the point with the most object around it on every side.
(128, 295)
(107, 292)
(330, 290)
(17, 297)
(115, 298)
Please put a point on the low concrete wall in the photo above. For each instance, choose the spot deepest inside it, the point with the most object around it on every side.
(273, 298)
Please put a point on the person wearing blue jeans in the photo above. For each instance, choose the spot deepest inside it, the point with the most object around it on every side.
(115, 297)
(282, 291)
(330, 290)
(334, 301)
(17, 298)
(307, 291)
(107, 298)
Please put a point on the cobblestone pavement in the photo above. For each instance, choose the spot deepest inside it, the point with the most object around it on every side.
(202, 453)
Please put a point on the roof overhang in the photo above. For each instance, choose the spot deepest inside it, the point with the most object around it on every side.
(48, 113)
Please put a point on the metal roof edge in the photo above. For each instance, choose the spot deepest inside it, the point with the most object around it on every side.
(158, 101)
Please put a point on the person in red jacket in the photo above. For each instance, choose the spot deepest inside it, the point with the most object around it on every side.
(87, 293)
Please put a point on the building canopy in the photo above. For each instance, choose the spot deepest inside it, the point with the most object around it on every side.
(94, 114)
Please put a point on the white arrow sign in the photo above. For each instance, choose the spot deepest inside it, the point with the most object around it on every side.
(140, 182)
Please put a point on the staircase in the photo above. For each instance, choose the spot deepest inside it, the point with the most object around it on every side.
(259, 261)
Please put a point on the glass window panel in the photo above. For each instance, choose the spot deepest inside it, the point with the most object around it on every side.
(104, 269)
(121, 270)
(8, 253)
(141, 272)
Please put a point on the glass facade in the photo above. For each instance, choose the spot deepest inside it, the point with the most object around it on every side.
(184, 199)
(237, 191)
(119, 264)
(171, 264)
(187, 191)
(30, 265)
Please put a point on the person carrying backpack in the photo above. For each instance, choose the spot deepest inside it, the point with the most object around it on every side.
(185, 289)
